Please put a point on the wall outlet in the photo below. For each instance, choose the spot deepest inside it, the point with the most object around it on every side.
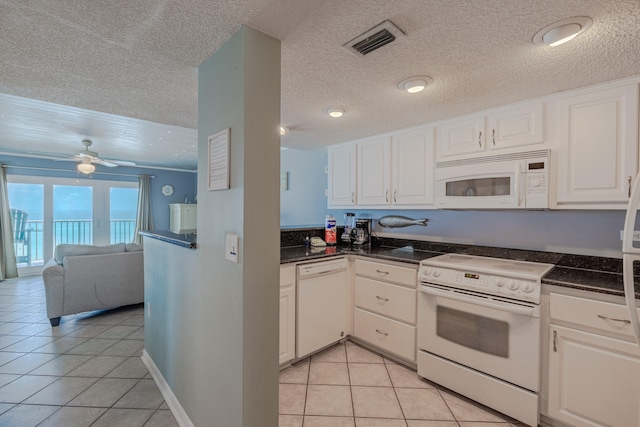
(636, 235)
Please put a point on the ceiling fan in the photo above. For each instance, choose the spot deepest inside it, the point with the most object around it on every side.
(88, 158)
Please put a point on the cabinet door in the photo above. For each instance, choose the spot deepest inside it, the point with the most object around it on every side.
(342, 176)
(462, 136)
(412, 168)
(597, 157)
(287, 313)
(593, 380)
(515, 127)
(374, 172)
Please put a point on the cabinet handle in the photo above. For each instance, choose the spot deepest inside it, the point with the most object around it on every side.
(382, 273)
(382, 333)
(386, 196)
(395, 194)
(614, 319)
(353, 197)
(494, 137)
(480, 139)
(382, 299)
(629, 186)
(555, 341)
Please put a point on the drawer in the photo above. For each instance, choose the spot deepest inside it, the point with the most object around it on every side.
(387, 272)
(387, 334)
(386, 299)
(591, 314)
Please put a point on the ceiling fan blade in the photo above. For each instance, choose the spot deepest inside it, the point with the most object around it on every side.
(122, 162)
(104, 163)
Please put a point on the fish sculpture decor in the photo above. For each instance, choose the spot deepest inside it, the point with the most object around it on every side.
(397, 221)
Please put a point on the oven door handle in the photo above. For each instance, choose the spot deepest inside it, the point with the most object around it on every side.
(483, 302)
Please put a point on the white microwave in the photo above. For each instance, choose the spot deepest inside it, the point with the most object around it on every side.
(508, 181)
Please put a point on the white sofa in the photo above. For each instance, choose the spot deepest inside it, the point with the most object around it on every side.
(84, 277)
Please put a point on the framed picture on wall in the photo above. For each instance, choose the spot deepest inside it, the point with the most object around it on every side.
(219, 160)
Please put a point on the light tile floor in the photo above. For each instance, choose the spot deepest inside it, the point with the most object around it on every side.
(85, 372)
(350, 386)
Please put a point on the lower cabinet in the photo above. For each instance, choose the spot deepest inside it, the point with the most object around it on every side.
(287, 313)
(385, 307)
(593, 379)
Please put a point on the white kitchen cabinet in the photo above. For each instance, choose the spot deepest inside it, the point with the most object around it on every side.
(183, 217)
(342, 176)
(461, 136)
(593, 375)
(287, 313)
(511, 127)
(397, 170)
(374, 171)
(385, 307)
(412, 168)
(598, 148)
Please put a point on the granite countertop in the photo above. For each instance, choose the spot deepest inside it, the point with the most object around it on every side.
(186, 240)
(589, 273)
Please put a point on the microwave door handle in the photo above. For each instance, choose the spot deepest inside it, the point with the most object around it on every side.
(482, 302)
(517, 185)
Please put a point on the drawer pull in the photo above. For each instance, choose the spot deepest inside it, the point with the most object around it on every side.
(614, 319)
(382, 333)
(382, 273)
(382, 299)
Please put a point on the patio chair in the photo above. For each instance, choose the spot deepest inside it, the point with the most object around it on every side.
(21, 235)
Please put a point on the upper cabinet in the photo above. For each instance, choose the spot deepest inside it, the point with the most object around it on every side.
(501, 129)
(412, 172)
(374, 171)
(342, 176)
(598, 148)
(397, 170)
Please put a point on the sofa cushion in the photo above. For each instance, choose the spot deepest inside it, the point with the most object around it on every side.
(133, 247)
(64, 250)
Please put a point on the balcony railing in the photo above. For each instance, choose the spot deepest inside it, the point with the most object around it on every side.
(69, 231)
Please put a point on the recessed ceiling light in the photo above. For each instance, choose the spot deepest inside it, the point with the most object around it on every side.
(283, 130)
(415, 84)
(562, 31)
(335, 111)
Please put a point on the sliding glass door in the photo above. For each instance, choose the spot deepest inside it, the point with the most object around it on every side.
(62, 210)
(72, 214)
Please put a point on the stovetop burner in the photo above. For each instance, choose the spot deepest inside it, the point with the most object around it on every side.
(520, 280)
(502, 266)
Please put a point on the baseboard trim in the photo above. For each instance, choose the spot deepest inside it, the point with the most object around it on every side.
(174, 405)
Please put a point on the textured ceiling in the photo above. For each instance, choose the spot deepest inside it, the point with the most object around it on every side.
(137, 62)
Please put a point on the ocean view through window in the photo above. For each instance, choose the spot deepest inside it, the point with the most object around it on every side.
(61, 210)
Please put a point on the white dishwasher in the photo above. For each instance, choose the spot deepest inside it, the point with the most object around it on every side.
(321, 315)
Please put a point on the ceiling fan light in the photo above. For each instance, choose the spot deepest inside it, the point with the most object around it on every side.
(86, 168)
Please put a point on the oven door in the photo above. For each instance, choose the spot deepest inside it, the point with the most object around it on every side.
(495, 185)
(493, 336)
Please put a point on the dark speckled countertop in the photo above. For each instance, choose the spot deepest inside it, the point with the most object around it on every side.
(595, 274)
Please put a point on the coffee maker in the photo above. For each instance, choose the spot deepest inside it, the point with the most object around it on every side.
(361, 234)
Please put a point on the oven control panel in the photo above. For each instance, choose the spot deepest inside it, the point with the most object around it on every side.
(509, 287)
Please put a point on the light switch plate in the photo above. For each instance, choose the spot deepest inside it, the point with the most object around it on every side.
(231, 247)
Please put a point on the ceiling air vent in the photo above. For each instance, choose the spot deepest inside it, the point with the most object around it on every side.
(380, 35)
